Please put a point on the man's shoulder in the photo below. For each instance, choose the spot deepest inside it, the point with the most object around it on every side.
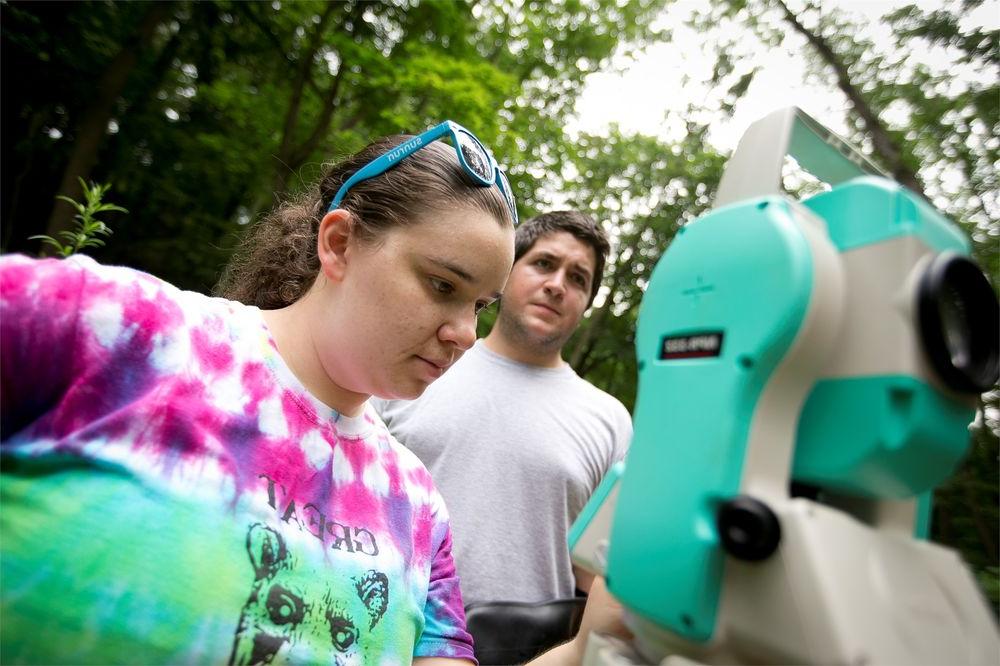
(598, 394)
(605, 407)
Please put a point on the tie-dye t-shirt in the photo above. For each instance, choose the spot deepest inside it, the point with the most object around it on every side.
(172, 494)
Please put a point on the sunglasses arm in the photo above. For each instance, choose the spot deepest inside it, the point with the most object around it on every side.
(383, 163)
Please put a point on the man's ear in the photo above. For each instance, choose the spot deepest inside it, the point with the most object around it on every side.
(332, 241)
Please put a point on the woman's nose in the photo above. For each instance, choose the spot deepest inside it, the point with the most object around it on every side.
(460, 331)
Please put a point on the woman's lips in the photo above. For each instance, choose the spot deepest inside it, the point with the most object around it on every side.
(434, 368)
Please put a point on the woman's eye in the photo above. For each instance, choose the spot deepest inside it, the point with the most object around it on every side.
(543, 263)
(442, 287)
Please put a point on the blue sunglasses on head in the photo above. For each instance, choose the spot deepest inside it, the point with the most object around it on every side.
(476, 160)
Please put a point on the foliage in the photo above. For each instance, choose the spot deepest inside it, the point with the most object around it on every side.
(943, 125)
(910, 112)
(233, 104)
(88, 227)
(644, 189)
(967, 506)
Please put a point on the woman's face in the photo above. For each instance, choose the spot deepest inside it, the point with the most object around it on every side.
(405, 308)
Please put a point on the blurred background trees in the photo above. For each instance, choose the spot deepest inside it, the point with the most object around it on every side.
(203, 114)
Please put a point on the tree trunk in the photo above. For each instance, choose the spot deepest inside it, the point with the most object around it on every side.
(885, 147)
(90, 131)
(289, 154)
(34, 126)
(584, 344)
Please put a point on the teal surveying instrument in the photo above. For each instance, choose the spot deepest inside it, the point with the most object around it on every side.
(807, 373)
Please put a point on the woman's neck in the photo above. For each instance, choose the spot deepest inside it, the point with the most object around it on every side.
(291, 329)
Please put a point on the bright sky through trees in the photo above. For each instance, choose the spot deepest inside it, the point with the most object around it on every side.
(650, 92)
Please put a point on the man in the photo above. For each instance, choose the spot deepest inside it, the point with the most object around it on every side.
(515, 440)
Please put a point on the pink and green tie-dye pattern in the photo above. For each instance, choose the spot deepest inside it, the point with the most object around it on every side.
(171, 493)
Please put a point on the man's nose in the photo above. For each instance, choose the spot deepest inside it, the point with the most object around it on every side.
(555, 284)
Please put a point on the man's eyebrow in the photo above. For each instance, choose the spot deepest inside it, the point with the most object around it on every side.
(457, 270)
(543, 254)
(582, 268)
(552, 256)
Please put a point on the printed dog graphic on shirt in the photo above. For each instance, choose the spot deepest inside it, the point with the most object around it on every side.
(287, 610)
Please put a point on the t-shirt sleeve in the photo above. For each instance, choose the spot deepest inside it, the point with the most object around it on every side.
(623, 434)
(39, 317)
(444, 632)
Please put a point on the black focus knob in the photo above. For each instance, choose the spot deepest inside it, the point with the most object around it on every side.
(748, 529)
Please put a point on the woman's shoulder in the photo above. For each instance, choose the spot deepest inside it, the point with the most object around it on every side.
(114, 301)
(97, 280)
(126, 283)
(80, 284)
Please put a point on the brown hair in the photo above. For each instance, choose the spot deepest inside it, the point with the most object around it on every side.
(577, 224)
(276, 263)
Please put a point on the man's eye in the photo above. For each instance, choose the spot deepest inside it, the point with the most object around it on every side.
(543, 263)
(442, 287)
(580, 280)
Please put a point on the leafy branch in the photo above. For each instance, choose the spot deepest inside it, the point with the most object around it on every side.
(88, 228)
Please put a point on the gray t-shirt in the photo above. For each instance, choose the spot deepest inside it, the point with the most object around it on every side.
(516, 451)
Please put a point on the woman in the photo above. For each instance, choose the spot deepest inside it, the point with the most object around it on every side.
(191, 479)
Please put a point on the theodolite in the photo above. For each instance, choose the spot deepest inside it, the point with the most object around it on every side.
(807, 374)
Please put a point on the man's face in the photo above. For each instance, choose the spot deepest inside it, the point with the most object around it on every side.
(547, 292)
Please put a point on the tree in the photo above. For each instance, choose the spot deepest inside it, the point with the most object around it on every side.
(233, 104)
(930, 125)
(89, 130)
(643, 189)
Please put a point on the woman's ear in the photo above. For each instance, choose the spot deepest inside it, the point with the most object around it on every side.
(332, 241)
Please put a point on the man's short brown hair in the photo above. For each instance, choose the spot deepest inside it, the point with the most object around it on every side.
(577, 224)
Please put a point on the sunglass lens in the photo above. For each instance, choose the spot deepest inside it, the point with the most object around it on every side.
(475, 158)
(508, 194)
